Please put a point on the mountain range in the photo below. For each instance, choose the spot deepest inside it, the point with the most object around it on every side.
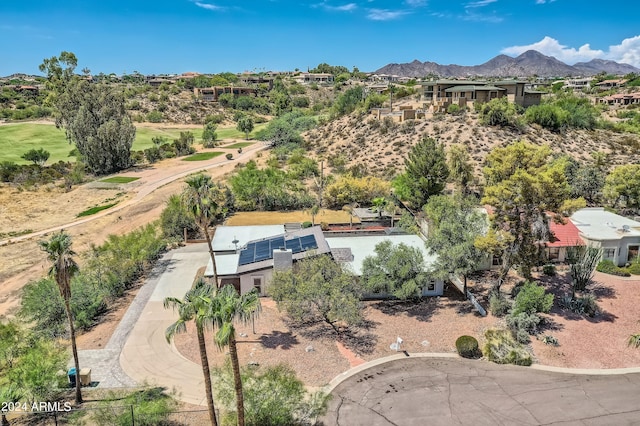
(530, 63)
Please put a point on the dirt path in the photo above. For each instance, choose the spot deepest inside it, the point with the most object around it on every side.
(143, 201)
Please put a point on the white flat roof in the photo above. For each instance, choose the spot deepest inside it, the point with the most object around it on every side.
(226, 264)
(363, 246)
(596, 223)
(225, 235)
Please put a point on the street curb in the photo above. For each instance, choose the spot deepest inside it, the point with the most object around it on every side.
(563, 370)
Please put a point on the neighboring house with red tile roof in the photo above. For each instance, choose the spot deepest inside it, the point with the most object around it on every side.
(621, 99)
(565, 235)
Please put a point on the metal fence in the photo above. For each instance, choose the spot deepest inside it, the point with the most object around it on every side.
(123, 415)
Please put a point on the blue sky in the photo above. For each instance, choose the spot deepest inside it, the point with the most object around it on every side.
(209, 36)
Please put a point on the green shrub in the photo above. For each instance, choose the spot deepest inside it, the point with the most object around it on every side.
(634, 341)
(467, 347)
(151, 407)
(549, 269)
(175, 218)
(155, 117)
(550, 340)
(153, 154)
(501, 348)
(585, 305)
(306, 224)
(608, 267)
(522, 325)
(453, 109)
(634, 269)
(498, 304)
(229, 156)
(532, 299)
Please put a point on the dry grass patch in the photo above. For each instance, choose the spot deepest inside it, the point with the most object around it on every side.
(278, 218)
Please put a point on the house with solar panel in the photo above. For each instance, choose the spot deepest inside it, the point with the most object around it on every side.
(247, 256)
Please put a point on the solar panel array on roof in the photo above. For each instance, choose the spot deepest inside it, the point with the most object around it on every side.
(263, 250)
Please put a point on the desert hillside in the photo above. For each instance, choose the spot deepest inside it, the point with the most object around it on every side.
(380, 146)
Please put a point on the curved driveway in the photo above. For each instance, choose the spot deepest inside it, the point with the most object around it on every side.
(451, 391)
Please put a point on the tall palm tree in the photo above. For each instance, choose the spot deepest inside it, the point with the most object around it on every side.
(194, 307)
(227, 307)
(205, 201)
(63, 267)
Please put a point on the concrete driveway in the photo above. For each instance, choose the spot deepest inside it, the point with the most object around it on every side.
(450, 391)
(146, 356)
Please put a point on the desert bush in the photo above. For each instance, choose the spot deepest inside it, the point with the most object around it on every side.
(498, 304)
(500, 112)
(273, 396)
(550, 340)
(634, 268)
(155, 117)
(548, 116)
(585, 305)
(347, 189)
(229, 156)
(501, 348)
(453, 109)
(634, 341)
(608, 267)
(549, 269)
(184, 144)
(175, 218)
(215, 118)
(522, 325)
(42, 305)
(467, 347)
(151, 406)
(532, 299)
(153, 154)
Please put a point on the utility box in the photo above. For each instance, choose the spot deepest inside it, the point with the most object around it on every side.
(85, 377)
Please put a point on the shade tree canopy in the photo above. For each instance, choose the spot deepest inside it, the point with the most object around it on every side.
(318, 289)
(397, 270)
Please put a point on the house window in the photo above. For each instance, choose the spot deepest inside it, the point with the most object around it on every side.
(257, 284)
(496, 261)
(553, 253)
(633, 252)
(608, 253)
(431, 286)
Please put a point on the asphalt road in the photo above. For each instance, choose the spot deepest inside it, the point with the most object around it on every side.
(432, 391)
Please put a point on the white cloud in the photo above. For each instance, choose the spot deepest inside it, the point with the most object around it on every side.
(343, 8)
(628, 51)
(479, 3)
(209, 6)
(544, 1)
(416, 3)
(385, 14)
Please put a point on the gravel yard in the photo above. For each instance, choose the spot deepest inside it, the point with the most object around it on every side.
(433, 325)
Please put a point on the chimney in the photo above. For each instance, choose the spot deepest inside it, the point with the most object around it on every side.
(282, 259)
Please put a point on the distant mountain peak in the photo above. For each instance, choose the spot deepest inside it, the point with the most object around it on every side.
(526, 64)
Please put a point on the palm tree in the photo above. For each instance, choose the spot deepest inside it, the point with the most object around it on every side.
(313, 211)
(350, 208)
(204, 200)
(226, 307)
(63, 267)
(378, 205)
(194, 307)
